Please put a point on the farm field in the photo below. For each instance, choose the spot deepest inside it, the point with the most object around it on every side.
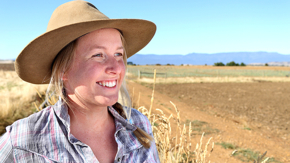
(252, 116)
(7, 66)
(256, 106)
(209, 71)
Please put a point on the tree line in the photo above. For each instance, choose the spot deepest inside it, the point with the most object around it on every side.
(229, 64)
(215, 64)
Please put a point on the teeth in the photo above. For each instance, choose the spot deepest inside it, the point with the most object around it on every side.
(108, 84)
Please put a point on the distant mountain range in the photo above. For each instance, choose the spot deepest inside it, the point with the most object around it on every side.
(249, 58)
(6, 61)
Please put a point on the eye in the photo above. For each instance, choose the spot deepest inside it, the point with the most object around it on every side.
(119, 54)
(98, 55)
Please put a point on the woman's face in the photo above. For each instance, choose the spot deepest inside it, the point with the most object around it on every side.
(98, 69)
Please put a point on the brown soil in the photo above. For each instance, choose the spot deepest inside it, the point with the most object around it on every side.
(7, 66)
(250, 115)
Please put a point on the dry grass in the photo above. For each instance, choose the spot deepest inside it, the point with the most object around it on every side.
(176, 147)
(215, 79)
(16, 98)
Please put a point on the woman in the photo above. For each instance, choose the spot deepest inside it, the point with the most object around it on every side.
(83, 58)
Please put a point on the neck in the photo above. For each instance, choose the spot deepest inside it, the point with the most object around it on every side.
(94, 127)
(91, 119)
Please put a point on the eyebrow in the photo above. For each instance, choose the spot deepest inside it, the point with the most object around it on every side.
(102, 47)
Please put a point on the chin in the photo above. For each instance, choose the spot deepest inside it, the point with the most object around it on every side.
(107, 101)
(111, 103)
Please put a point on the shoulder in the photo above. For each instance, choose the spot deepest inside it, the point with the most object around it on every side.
(138, 117)
(24, 129)
(21, 134)
(33, 120)
(140, 120)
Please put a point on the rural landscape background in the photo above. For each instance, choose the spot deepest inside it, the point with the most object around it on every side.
(243, 110)
(241, 104)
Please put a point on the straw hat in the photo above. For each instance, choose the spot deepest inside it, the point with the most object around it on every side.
(68, 22)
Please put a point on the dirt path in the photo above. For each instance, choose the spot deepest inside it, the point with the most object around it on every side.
(222, 126)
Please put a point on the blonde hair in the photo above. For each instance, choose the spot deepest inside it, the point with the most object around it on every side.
(61, 64)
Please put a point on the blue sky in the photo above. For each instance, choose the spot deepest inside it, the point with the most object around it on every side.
(184, 26)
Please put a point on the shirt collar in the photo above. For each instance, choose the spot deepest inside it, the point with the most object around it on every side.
(121, 120)
(61, 111)
(123, 127)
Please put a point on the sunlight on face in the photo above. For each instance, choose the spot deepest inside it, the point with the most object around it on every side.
(98, 69)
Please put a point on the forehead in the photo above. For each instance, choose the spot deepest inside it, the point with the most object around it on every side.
(101, 37)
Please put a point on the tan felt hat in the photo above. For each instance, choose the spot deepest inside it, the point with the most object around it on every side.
(68, 22)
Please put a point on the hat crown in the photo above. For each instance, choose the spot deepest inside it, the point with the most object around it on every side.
(74, 12)
(67, 23)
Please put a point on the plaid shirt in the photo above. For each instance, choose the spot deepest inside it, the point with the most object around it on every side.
(45, 137)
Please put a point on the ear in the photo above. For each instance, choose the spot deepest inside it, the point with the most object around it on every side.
(64, 77)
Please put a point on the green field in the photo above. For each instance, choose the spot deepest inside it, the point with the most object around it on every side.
(205, 71)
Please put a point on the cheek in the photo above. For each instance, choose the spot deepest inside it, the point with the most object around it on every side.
(123, 69)
(84, 70)
(75, 68)
(76, 74)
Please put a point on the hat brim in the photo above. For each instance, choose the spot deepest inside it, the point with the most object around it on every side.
(34, 63)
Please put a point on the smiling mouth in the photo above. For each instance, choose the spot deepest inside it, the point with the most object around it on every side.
(108, 84)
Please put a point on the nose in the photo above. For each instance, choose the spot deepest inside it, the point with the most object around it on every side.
(113, 66)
